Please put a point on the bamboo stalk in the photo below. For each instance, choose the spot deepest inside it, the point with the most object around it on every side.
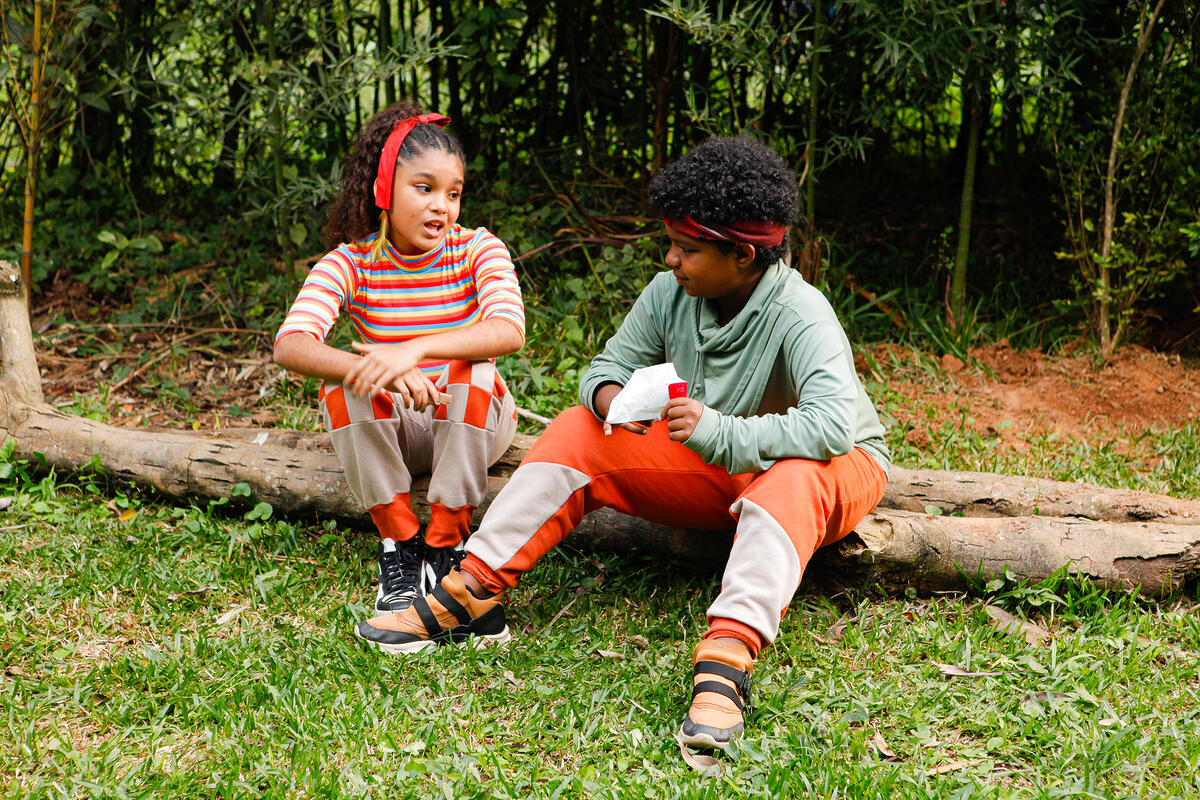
(31, 159)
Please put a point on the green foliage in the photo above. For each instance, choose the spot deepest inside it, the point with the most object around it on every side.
(226, 123)
(1155, 182)
(571, 318)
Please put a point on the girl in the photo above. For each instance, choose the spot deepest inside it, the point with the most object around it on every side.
(776, 437)
(433, 303)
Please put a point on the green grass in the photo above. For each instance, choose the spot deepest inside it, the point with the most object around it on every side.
(150, 650)
(154, 651)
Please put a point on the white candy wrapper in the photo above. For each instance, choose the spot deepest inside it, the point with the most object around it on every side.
(644, 396)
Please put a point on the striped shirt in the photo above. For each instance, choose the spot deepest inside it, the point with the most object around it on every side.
(467, 279)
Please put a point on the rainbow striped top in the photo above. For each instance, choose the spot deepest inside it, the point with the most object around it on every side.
(467, 279)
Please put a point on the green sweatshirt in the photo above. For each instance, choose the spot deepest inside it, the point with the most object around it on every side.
(777, 381)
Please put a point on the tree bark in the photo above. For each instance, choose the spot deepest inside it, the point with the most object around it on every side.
(1108, 337)
(1026, 527)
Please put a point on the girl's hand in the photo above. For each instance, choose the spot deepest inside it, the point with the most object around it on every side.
(415, 389)
(384, 366)
(682, 414)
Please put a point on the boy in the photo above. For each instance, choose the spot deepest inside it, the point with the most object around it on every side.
(776, 435)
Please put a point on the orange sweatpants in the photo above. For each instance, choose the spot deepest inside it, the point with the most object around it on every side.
(781, 515)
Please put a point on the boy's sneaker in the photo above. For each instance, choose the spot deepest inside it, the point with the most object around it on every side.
(400, 569)
(439, 561)
(720, 692)
(450, 613)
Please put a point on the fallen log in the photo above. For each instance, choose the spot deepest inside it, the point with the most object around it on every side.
(934, 531)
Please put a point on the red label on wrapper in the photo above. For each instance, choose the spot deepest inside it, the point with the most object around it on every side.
(677, 389)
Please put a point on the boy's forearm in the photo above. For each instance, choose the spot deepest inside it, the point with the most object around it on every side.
(603, 398)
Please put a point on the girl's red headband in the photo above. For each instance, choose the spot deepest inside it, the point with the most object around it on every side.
(391, 148)
(759, 234)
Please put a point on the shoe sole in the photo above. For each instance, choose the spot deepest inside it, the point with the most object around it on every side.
(474, 641)
(703, 741)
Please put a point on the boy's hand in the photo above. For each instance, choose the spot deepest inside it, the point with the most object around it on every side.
(682, 414)
(603, 399)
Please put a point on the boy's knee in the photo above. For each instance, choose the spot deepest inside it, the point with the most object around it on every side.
(572, 434)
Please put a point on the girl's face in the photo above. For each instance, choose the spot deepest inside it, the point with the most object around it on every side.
(426, 193)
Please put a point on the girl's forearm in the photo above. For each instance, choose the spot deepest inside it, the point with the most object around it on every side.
(490, 338)
(487, 339)
(301, 353)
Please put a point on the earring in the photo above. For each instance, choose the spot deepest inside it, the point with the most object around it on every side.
(377, 246)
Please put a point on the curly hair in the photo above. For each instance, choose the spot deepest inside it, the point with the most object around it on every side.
(726, 181)
(354, 215)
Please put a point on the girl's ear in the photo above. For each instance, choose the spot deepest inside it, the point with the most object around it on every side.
(744, 254)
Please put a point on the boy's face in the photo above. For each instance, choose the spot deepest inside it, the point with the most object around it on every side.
(704, 271)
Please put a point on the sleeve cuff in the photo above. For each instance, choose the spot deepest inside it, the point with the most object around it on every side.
(702, 442)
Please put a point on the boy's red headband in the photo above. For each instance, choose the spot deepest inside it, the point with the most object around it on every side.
(391, 148)
(759, 234)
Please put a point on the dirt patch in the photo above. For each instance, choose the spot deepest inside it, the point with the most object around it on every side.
(207, 373)
(1014, 394)
(1137, 389)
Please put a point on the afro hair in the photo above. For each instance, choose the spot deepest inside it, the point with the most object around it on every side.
(726, 181)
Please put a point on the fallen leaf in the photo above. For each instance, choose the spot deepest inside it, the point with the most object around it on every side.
(953, 766)
(951, 671)
(230, 615)
(1032, 701)
(16, 672)
(191, 592)
(5, 502)
(1007, 623)
(883, 748)
(609, 654)
(511, 678)
(637, 640)
(837, 629)
(698, 761)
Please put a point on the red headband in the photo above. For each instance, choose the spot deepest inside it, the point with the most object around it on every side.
(391, 148)
(759, 234)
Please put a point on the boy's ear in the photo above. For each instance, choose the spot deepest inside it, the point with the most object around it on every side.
(744, 254)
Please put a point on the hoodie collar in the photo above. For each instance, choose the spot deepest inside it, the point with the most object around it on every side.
(711, 337)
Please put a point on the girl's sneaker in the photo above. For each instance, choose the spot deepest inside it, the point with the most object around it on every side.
(400, 570)
(439, 561)
(448, 614)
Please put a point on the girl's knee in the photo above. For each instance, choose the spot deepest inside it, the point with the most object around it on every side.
(479, 374)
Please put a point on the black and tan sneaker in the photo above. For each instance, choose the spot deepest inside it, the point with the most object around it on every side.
(400, 570)
(720, 693)
(448, 614)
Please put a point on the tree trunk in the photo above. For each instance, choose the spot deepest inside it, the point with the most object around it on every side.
(956, 295)
(1109, 341)
(1030, 528)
